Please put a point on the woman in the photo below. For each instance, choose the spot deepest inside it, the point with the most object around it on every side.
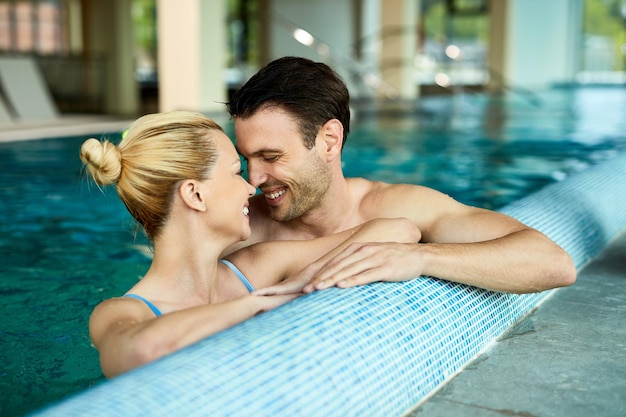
(180, 177)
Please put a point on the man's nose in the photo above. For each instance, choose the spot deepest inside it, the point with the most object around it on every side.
(256, 176)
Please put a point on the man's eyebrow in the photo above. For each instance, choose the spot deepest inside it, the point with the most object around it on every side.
(261, 152)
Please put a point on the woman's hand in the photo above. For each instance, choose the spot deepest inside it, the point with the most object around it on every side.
(292, 285)
(269, 302)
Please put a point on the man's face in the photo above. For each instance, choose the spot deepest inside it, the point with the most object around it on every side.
(293, 179)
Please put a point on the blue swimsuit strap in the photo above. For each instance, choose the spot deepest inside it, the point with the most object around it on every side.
(239, 274)
(236, 270)
(154, 308)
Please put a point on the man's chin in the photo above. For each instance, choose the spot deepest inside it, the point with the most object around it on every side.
(276, 216)
(279, 215)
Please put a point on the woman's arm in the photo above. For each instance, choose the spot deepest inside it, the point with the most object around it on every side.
(127, 335)
(296, 262)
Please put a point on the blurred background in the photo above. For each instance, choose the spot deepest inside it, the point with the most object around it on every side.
(130, 57)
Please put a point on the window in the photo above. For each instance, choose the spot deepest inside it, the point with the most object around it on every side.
(32, 27)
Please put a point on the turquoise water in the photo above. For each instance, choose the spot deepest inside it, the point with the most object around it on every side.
(66, 245)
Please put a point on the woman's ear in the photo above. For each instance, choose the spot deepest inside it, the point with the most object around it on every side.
(333, 137)
(191, 194)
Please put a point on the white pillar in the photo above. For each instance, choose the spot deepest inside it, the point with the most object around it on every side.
(123, 84)
(399, 22)
(115, 43)
(75, 27)
(192, 55)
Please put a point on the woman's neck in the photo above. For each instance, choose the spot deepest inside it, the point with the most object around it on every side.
(184, 269)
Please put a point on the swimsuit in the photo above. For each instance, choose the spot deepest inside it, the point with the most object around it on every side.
(239, 274)
(154, 308)
(236, 270)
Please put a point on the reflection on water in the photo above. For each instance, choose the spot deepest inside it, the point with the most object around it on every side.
(66, 245)
(489, 151)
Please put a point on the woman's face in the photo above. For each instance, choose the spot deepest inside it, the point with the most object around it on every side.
(229, 192)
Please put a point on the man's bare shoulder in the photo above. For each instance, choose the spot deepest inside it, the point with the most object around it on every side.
(372, 189)
(373, 193)
(377, 199)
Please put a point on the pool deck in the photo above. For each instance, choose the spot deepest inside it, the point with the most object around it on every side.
(565, 358)
(74, 125)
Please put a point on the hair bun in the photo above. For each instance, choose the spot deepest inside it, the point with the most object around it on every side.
(102, 159)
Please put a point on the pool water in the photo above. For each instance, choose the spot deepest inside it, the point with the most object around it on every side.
(66, 245)
(63, 246)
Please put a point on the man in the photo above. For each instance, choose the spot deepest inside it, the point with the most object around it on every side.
(291, 121)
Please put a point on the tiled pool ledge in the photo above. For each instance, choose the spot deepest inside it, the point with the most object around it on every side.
(377, 350)
(565, 358)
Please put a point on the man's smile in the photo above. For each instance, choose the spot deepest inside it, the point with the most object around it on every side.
(275, 194)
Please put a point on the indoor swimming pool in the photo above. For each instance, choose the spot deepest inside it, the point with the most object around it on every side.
(66, 245)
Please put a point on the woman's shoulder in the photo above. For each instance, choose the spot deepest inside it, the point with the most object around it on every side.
(118, 307)
(116, 312)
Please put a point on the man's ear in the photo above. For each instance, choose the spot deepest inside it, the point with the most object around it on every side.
(333, 137)
(192, 195)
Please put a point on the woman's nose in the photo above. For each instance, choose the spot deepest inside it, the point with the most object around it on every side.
(251, 189)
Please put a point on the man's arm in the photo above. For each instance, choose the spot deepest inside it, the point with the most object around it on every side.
(459, 243)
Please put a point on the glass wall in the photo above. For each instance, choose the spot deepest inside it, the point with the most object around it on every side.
(454, 43)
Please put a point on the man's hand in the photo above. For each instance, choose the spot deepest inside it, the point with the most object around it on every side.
(364, 263)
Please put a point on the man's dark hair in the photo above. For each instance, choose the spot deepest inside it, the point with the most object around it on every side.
(310, 91)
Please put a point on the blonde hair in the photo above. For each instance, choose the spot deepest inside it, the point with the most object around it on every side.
(158, 151)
